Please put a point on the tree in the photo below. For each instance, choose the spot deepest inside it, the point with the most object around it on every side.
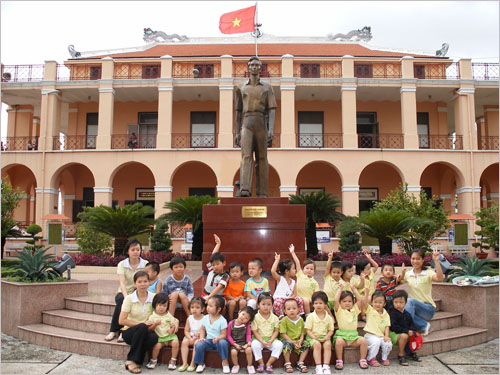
(91, 241)
(33, 229)
(320, 208)
(160, 240)
(434, 218)
(189, 210)
(10, 200)
(350, 240)
(387, 225)
(487, 219)
(120, 223)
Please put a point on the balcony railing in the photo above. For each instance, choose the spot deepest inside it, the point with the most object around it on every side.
(136, 71)
(198, 140)
(438, 71)
(276, 143)
(380, 140)
(269, 69)
(19, 144)
(204, 69)
(488, 143)
(123, 141)
(321, 69)
(74, 142)
(78, 72)
(441, 142)
(485, 71)
(22, 73)
(386, 70)
(315, 140)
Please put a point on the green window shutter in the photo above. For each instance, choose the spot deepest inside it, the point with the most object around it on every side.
(461, 235)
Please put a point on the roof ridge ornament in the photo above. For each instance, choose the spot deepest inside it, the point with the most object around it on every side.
(443, 51)
(153, 36)
(364, 34)
(74, 54)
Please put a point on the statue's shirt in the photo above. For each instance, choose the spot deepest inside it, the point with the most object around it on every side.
(254, 98)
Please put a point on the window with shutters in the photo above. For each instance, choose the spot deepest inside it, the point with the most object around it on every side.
(419, 71)
(91, 136)
(423, 129)
(363, 70)
(310, 70)
(203, 129)
(205, 70)
(95, 73)
(310, 128)
(150, 71)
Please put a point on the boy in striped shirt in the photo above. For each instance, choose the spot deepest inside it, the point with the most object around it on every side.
(388, 283)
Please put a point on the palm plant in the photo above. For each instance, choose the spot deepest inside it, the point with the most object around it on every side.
(386, 225)
(189, 210)
(119, 222)
(320, 208)
(36, 266)
(474, 266)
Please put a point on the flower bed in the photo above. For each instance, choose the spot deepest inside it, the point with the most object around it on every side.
(394, 259)
(110, 261)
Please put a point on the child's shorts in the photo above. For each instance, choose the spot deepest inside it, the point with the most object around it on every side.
(313, 341)
(394, 338)
(347, 334)
(289, 347)
(168, 338)
(331, 305)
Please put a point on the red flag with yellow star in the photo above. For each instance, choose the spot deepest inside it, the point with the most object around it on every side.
(239, 21)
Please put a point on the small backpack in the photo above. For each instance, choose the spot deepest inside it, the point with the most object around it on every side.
(415, 342)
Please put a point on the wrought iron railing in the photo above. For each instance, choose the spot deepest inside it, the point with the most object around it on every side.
(187, 69)
(74, 142)
(386, 70)
(176, 230)
(327, 69)
(123, 141)
(23, 73)
(439, 71)
(380, 140)
(328, 140)
(276, 143)
(441, 142)
(485, 71)
(488, 143)
(197, 140)
(19, 144)
(136, 71)
(269, 69)
(78, 72)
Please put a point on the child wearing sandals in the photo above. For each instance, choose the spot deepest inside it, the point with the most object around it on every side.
(239, 335)
(191, 332)
(377, 328)
(306, 283)
(347, 309)
(319, 328)
(265, 327)
(286, 287)
(292, 330)
(333, 273)
(165, 326)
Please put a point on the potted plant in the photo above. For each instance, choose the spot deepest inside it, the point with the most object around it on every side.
(473, 267)
(487, 219)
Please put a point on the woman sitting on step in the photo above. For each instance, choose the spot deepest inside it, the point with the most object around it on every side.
(138, 331)
(126, 270)
(421, 306)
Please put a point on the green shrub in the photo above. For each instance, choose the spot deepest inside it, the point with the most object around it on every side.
(91, 241)
(474, 266)
(36, 266)
(350, 240)
(160, 240)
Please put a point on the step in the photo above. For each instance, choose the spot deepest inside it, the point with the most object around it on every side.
(69, 340)
(77, 320)
(87, 305)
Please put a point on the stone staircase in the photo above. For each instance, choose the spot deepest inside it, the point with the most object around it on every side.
(81, 327)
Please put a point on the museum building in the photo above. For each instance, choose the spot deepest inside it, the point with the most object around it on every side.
(155, 123)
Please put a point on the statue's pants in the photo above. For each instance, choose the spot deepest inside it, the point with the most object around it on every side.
(254, 139)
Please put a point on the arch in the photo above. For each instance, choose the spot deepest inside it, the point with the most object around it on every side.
(195, 176)
(320, 174)
(274, 182)
(127, 178)
(442, 179)
(22, 179)
(380, 175)
(489, 185)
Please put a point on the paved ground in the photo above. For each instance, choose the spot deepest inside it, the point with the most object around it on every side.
(19, 357)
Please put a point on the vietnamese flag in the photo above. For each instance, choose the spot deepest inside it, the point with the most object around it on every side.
(239, 21)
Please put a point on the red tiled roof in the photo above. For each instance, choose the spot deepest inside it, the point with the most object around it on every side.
(278, 50)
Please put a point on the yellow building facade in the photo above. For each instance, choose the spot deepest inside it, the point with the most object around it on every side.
(351, 120)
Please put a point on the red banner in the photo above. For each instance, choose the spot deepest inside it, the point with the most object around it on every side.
(239, 21)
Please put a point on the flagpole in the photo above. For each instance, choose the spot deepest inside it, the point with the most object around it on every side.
(256, 33)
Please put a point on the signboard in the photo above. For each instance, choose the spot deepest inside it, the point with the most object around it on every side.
(253, 211)
(55, 234)
(323, 235)
(144, 194)
(188, 236)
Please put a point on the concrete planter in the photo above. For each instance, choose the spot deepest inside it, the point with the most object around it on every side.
(478, 304)
(23, 303)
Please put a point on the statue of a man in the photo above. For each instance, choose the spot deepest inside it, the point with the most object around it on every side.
(254, 104)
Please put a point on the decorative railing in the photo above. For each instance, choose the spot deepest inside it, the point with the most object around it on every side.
(485, 71)
(69, 230)
(19, 144)
(204, 69)
(438, 71)
(386, 70)
(276, 143)
(441, 142)
(380, 140)
(22, 73)
(269, 69)
(326, 69)
(198, 140)
(328, 140)
(74, 142)
(136, 71)
(123, 141)
(78, 72)
(176, 230)
(488, 143)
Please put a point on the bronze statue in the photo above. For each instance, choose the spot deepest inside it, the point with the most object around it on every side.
(255, 106)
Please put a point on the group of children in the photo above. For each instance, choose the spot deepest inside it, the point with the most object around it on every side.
(275, 322)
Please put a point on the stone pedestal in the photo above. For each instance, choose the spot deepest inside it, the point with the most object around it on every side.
(244, 238)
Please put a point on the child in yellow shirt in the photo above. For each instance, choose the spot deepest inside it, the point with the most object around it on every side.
(306, 284)
(377, 328)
